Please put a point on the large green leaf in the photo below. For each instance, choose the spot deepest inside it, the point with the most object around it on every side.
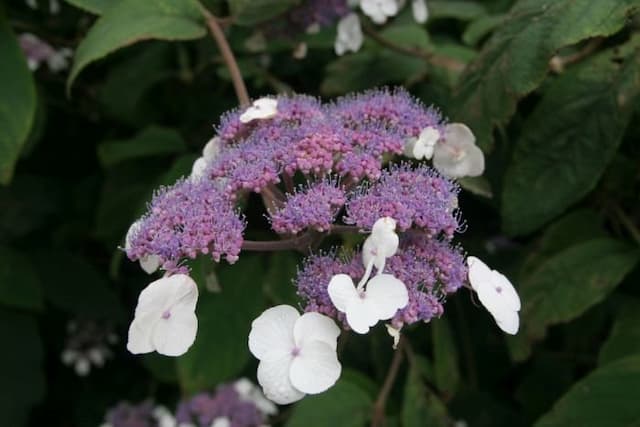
(17, 101)
(445, 357)
(568, 141)
(152, 141)
(251, 12)
(224, 318)
(94, 6)
(515, 59)
(567, 284)
(421, 407)
(19, 285)
(606, 397)
(131, 21)
(22, 379)
(624, 338)
(459, 9)
(345, 403)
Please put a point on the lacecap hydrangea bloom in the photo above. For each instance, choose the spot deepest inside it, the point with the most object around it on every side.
(355, 165)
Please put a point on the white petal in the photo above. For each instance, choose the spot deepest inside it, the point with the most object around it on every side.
(174, 336)
(139, 339)
(479, 272)
(221, 422)
(342, 291)
(199, 168)
(509, 295)
(211, 149)
(383, 226)
(273, 376)
(426, 142)
(315, 369)
(420, 11)
(361, 316)
(315, 327)
(263, 108)
(387, 295)
(457, 155)
(271, 333)
(150, 263)
(395, 334)
(250, 393)
(133, 229)
(508, 321)
(82, 367)
(459, 132)
(349, 34)
(177, 291)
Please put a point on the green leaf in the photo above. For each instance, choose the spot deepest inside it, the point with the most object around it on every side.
(152, 141)
(278, 282)
(220, 351)
(421, 407)
(567, 284)
(74, 285)
(251, 12)
(19, 285)
(345, 403)
(131, 21)
(457, 9)
(624, 338)
(480, 28)
(445, 357)
(22, 380)
(515, 60)
(608, 397)
(568, 140)
(162, 368)
(97, 7)
(17, 101)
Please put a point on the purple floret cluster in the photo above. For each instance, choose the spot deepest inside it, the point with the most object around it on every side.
(191, 217)
(306, 15)
(126, 414)
(203, 409)
(430, 268)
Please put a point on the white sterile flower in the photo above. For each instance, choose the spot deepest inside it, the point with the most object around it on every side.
(263, 108)
(349, 36)
(383, 297)
(379, 10)
(457, 154)
(381, 244)
(496, 293)
(250, 393)
(211, 149)
(165, 319)
(221, 422)
(163, 417)
(199, 168)
(149, 263)
(420, 11)
(297, 353)
(423, 146)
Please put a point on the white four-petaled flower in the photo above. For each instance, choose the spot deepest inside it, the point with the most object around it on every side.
(496, 293)
(379, 10)
(263, 108)
(165, 319)
(349, 37)
(457, 155)
(297, 353)
(379, 298)
(423, 146)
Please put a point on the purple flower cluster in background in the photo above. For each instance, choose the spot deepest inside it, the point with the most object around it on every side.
(126, 414)
(306, 17)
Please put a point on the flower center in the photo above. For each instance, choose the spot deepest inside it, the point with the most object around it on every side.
(499, 289)
(166, 314)
(295, 351)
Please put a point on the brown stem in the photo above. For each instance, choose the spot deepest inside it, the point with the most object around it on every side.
(431, 57)
(300, 242)
(377, 418)
(558, 63)
(230, 60)
(626, 222)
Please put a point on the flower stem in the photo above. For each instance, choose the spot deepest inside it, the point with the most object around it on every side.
(377, 418)
(300, 243)
(229, 59)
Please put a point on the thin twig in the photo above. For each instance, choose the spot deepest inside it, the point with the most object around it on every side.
(300, 242)
(431, 57)
(230, 60)
(377, 419)
(558, 63)
(627, 222)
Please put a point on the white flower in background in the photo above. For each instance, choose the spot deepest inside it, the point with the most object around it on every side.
(384, 294)
(221, 422)
(54, 5)
(380, 10)
(300, 51)
(423, 146)
(381, 244)
(263, 108)
(210, 151)
(250, 393)
(165, 319)
(349, 37)
(87, 345)
(457, 155)
(149, 263)
(297, 353)
(38, 51)
(420, 11)
(496, 293)
(163, 417)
